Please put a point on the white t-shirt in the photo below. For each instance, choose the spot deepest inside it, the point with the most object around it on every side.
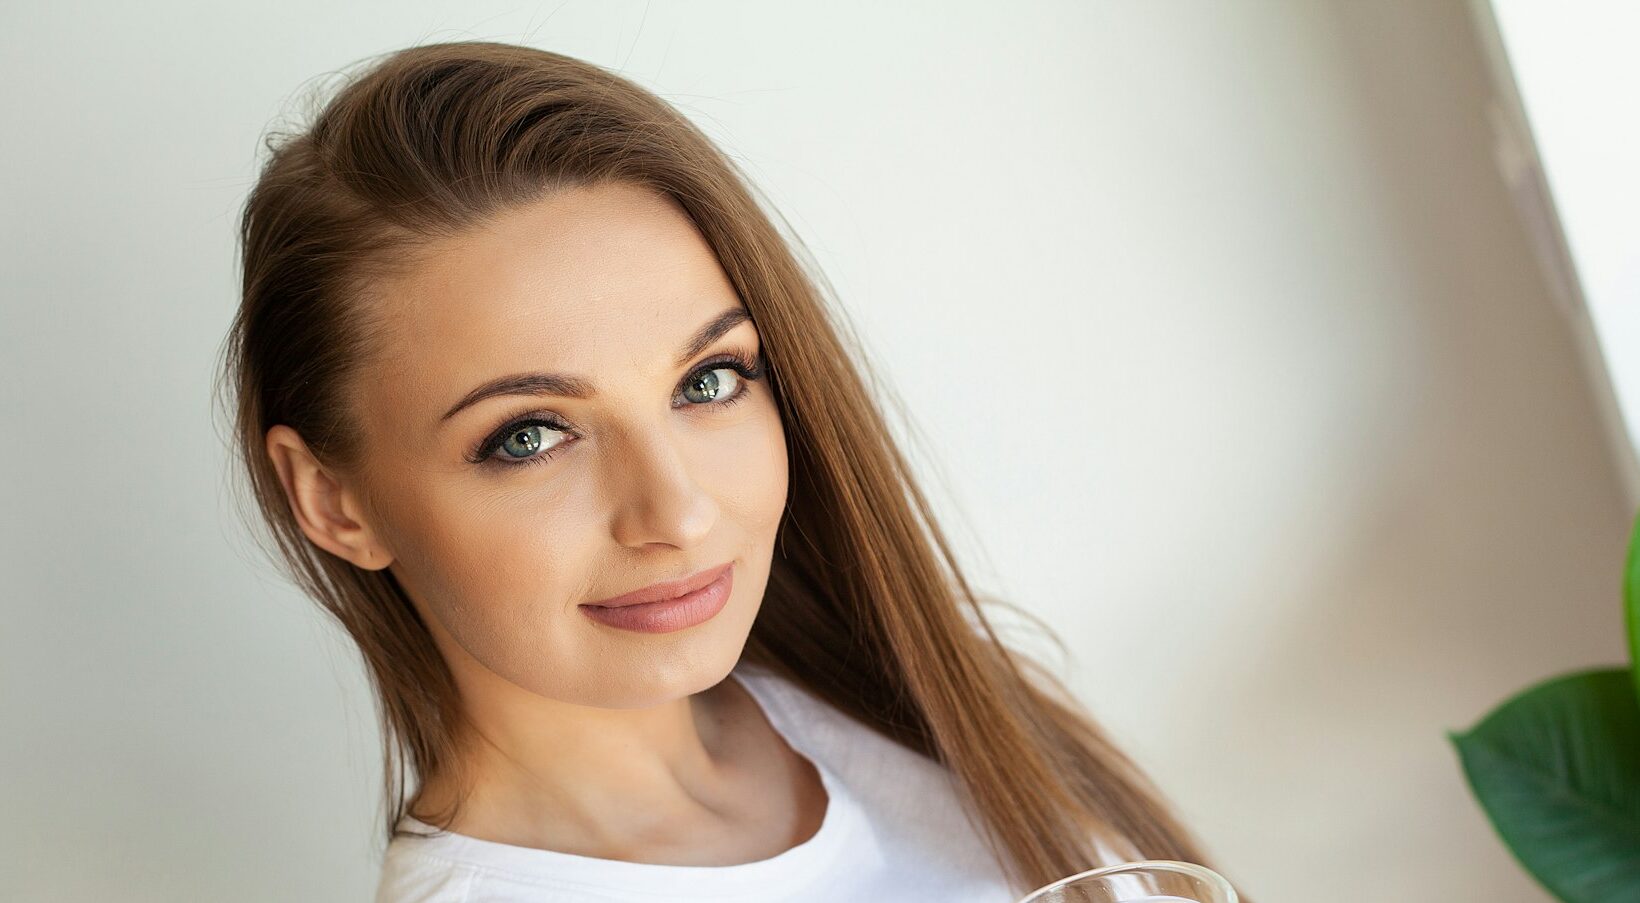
(894, 830)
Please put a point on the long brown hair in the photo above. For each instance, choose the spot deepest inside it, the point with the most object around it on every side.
(865, 605)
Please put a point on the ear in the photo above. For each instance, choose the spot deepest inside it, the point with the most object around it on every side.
(326, 509)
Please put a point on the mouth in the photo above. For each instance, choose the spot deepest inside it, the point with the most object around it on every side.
(669, 614)
(664, 592)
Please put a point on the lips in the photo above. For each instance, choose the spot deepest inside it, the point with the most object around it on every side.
(660, 592)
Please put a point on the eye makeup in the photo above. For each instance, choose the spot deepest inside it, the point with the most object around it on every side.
(488, 452)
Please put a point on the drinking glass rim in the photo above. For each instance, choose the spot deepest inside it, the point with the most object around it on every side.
(1216, 880)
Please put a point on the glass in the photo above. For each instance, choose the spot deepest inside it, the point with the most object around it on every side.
(1150, 881)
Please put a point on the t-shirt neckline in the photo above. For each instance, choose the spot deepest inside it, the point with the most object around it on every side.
(789, 868)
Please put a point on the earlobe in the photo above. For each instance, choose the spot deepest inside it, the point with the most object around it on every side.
(320, 503)
(374, 559)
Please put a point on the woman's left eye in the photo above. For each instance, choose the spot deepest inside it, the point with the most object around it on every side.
(711, 386)
(705, 386)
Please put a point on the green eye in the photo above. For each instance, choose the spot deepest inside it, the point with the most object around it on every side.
(524, 441)
(712, 386)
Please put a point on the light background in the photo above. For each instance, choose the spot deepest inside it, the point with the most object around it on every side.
(1573, 67)
(1231, 356)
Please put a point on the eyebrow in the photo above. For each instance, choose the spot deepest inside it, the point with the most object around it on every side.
(567, 386)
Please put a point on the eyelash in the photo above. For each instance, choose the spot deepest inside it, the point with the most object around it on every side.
(748, 370)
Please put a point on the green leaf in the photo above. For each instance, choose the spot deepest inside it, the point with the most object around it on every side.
(1631, 601)
(1557, 769)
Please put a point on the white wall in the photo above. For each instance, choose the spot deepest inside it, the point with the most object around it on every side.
(1570, 70)
(1230, 353)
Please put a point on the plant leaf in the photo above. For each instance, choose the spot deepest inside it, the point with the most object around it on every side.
(1557, 770)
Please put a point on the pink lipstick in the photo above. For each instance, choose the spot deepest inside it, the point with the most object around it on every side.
(665, 607)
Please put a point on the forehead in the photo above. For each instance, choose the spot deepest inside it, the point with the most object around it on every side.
(594, 281)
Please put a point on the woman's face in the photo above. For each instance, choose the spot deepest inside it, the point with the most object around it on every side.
(504, 513)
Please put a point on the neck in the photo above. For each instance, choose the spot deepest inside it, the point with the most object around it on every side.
(553, 774)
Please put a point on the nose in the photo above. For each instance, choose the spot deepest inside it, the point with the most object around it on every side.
(657, 498)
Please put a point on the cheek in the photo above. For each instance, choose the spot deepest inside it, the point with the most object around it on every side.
(500, 571)
(752, 473)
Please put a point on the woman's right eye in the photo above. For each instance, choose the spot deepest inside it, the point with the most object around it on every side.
(524, 442)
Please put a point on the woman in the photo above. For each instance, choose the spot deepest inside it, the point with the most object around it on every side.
(517, 346)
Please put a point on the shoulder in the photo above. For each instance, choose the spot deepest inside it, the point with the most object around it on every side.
(802, 715)
(914, 803)
(414, 874)
(409, 875)
(810, 723)
(898, 783)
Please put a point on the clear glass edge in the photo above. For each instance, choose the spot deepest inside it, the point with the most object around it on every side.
(1207, 875)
